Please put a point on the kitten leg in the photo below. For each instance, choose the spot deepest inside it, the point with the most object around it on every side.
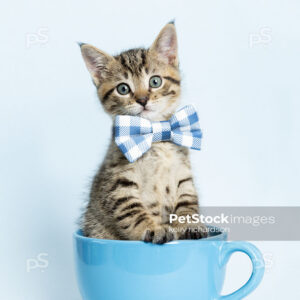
(129, 216)
(186, 205)
(135, 223)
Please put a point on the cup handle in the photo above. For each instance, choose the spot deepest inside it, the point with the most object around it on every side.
(258, 265)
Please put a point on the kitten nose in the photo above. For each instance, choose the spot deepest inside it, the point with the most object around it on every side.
(143, 100)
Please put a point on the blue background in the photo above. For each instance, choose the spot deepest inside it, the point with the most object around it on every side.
(240, 66)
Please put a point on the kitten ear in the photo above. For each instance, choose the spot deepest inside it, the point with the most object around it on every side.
(165, 45)
(96, 62)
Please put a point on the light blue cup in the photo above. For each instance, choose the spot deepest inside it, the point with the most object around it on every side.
(186, 269)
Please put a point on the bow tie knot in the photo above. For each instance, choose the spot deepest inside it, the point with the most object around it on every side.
(135, 135)
(161, 131)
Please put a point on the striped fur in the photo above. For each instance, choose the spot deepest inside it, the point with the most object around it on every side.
(133, 201)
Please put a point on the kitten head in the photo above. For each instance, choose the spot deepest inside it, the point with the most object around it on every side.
(138, 82)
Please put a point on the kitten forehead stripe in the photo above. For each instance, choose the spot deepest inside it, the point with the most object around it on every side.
(143, 57)
(124, 64)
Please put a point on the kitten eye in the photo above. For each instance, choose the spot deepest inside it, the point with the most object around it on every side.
(155, 82)
(123, 89)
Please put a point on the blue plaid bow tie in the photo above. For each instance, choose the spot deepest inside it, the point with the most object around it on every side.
(134, 135)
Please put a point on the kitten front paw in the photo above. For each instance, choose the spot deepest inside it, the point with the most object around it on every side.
(159, 235)
(193, 232)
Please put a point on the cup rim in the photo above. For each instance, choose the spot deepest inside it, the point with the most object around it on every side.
(220, 236)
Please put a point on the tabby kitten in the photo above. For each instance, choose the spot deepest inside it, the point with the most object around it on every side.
(132, 201)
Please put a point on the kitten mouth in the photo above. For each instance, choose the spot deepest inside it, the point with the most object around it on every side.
(145, 110)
